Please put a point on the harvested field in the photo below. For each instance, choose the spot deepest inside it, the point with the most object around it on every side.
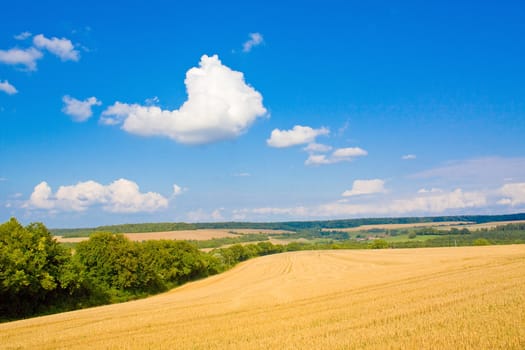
(444, 224)
(434, 298)
(197, 235)
(486, 225)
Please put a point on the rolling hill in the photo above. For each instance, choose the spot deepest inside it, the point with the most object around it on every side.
(468, 297)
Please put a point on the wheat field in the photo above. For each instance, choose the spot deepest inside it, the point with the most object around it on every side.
(433, 298)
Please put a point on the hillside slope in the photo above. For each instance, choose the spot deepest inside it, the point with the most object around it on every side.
(472, 297)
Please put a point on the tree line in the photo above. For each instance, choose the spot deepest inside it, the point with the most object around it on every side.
(289, 226)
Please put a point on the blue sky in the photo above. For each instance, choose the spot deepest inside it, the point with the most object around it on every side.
(205, 111)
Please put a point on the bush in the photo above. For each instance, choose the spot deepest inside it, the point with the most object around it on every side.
(481, 241)
(379, 244)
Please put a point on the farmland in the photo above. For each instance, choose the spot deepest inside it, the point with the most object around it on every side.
(189, 235)
(467, 297)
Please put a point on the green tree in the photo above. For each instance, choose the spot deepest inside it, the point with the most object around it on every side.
(379, 244)
(33, 266)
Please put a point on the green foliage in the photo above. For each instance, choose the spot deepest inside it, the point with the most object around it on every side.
(481, 241)
(412, 235)
(379, 244)
(34, 270)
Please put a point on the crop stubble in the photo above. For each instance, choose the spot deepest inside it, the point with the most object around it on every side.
(434, 298)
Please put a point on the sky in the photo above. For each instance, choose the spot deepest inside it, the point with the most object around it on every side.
(168, 111)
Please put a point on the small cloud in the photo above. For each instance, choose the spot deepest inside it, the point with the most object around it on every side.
(242, 174)
(62, 48)
(217, 214)
(22, 36)
(299, 135)
(2, 179)
(339, 155)
(409, 157)
(362, 187)
(256, 39)
(317, 147)
(80, 111)
(7, 88)
(16, 57)
(152, 101)
(432, 190)
(177, 190)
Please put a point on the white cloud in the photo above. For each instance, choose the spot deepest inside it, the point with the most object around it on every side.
(217, 214)
(317, 147)
(299, 135)
(40, 198)
(120, 196)
(514, 194)
(349, 152)
(7, 88)
(409, 157)
(15, 56)
(432, 190)
(416, 205)
(79, 110)
(22, 36)
(200, 215)
(256, 39)
(242, 174)
(62, 48)
(220, 106)
(177, 190)
(339, 155)
(361, 187)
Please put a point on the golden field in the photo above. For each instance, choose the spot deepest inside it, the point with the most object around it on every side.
(197, 235)
(433, 298)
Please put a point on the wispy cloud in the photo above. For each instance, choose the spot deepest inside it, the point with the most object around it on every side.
(339, 155)
(256, 39)
(7, 88)
(22, 36)
(488, 170)
(409, 157)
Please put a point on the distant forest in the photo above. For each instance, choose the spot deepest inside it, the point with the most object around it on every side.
(290, 225)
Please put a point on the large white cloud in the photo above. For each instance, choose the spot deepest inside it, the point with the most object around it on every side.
(514, 194)
(79, 110)
(298, 135)
(120, 196)
(16, 57)
(362, 187)
(62, 48)
(7, 88)
(220, 106)
(339, 155)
